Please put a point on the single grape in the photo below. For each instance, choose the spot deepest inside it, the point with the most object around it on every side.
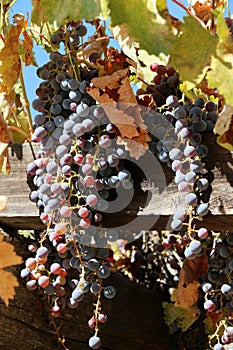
(94, 342)
(109, 292)
(201, 151)
(226, 289)
(176, 225)
(218, 346)
(172, 101)
(207, 287)
(195, 246)
(190, 177)
(202, 233)
(191, 199)
(209, 305)
(199, 102)
(103, 272)
(180, 113)
(202, 209)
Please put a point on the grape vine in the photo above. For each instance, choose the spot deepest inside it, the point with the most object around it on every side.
(96, 133)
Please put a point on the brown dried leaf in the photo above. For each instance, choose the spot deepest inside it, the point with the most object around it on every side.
(146, 100)
(137, 146)
(4, 141)
(114, 62)
(115, 95)
(8, 281)
(28, 45)
(192, 269)
(202, 9)
(121, 120)
(112, 81)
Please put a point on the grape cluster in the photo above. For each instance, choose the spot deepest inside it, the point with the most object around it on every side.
(166, 83)
(218, 287)
(177, 135)
(77, 173)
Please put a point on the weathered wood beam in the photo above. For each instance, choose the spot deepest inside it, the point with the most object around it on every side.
(151, 207)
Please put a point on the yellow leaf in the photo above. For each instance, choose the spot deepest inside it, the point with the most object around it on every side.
(224, 120)
(4, 140)
(9, 56)
(8, 281)
(224, 127)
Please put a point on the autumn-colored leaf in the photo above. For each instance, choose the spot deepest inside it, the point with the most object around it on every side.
(202, 9)
(184, 309)
(54, 11)
(181, 316)
(28, 45)
(4, 141)
(8, 281)
(224, 120)
(224, 127)
(137, 146)
(115, 95)
(211, 320)
(111, 81)
(192, 269)
(9, 56)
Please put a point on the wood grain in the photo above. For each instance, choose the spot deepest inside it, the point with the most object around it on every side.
(153, 202)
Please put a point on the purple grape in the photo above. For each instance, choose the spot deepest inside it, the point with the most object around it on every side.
(94, 342)
(191, 199)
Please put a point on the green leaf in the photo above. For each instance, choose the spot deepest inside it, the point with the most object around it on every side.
(56, 12)
(210, 325)
(221, 77)
(21, 124)
(192, 51)
(139, 14)
(182, 317)
(222, 30)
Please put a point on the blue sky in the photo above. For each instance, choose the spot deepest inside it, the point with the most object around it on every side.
(31, 80)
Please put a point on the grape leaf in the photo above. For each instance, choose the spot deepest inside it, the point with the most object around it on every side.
(192, 269)
(9, 56)
(184, 309)
(224, 127)
(116, 96)
(181, 316)
(138, 13)
(197, 57)
(8, 281)
(141, 57)
(211, 320)
(4, 141)
(28, 45)
(55, 13)
(220, 76)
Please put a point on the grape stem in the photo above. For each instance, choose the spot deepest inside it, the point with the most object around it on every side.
(26, 105)
(43, 37)
(60, 339)
(96, 312)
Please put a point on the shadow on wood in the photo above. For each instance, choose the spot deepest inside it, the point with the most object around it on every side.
(135, 319)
